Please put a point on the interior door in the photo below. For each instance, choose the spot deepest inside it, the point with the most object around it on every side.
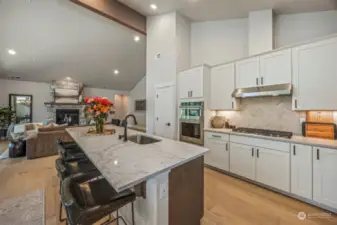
(248, 73)
(165, 112)
(222, 87)
(272, 168)
(325, 176)
(315, 75)
(242, 160)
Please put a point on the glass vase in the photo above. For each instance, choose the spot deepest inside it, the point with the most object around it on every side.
(99, 125)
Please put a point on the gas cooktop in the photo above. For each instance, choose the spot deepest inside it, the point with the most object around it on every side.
(271, 133)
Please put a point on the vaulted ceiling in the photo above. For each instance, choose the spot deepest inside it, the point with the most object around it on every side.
(202, 10)
(55, 39)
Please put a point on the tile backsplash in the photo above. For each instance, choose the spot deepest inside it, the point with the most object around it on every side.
(274, 113)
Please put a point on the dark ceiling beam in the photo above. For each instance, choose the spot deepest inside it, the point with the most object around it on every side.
(117, 11)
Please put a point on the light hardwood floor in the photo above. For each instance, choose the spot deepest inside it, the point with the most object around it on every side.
(228, 201)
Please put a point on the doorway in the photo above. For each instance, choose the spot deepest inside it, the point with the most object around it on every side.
(165, 111)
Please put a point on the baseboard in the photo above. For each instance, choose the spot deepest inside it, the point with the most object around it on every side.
(287, 194)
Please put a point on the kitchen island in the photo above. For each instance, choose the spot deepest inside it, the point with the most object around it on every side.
(167, 175)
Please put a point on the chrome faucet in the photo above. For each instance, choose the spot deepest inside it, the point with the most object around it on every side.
(125, 124)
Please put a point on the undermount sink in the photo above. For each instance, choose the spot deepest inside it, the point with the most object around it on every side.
(142, 139)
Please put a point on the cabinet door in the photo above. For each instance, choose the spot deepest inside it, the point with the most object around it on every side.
(315, 75)
(191, 83)
(248, 73)
(196, 82)
(218, 156)
(325, 176)
(184, 89)
(242, 160)
(222, 87)
(276, 68)
(272, 168)
(301, 170)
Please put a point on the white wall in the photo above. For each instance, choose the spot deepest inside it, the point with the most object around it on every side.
(42, 93)
(138, 93)
(160, 40)
(169, 36)
(296, 28)
(217, 42)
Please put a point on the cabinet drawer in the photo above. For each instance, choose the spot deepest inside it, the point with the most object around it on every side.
(262, 143)
(217, 136)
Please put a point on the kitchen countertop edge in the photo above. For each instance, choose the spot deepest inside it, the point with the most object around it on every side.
(295, 139)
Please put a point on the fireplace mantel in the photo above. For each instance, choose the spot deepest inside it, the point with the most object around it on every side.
(61, 104)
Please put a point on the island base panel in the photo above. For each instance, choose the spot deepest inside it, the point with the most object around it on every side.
(186, 193)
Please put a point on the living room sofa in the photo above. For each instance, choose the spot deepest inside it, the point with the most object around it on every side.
(43, 142)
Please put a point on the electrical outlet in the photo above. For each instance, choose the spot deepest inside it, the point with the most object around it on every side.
(302, 120)
(163, 190)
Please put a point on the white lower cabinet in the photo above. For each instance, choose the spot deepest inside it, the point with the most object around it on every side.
(242, 160)
(325, 176)
(272, 168)
(301, 170)
(218, 156)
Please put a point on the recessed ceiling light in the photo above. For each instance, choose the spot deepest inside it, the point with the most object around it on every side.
(11, 52)
(68, 78)
(116, 72)
(153, 6)
(136, 38)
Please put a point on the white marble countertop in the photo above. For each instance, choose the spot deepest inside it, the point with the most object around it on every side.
(126, 164)
(295, 139)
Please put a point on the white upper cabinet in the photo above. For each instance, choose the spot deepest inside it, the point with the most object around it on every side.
(275, 68)
(301, 170)
(325, 176)
(248, 72)
(315, 75)
(272, 168)
(191, 83)
(222, 85)
(184, 90)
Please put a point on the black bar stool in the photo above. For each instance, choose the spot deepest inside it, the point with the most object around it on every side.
(69, 150)
(87, 199)
(71, 167)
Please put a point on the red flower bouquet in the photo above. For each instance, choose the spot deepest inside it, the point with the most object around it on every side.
(97, 108)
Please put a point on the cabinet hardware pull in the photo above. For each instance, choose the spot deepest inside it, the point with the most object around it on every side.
(294, 150)
(261, 80)
(318, 154)
(216, 136)
(232, 105)
(295, 103)
(226, 146)
(257, 81)
(257, 153)
(191, 93)
(252, 152)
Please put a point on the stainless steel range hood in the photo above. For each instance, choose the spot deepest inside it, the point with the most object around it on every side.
(271, 90)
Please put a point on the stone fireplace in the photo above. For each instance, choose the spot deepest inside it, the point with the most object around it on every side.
(68, 116)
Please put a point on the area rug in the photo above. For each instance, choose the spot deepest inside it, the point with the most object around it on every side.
(24, 210)
(5, 154)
